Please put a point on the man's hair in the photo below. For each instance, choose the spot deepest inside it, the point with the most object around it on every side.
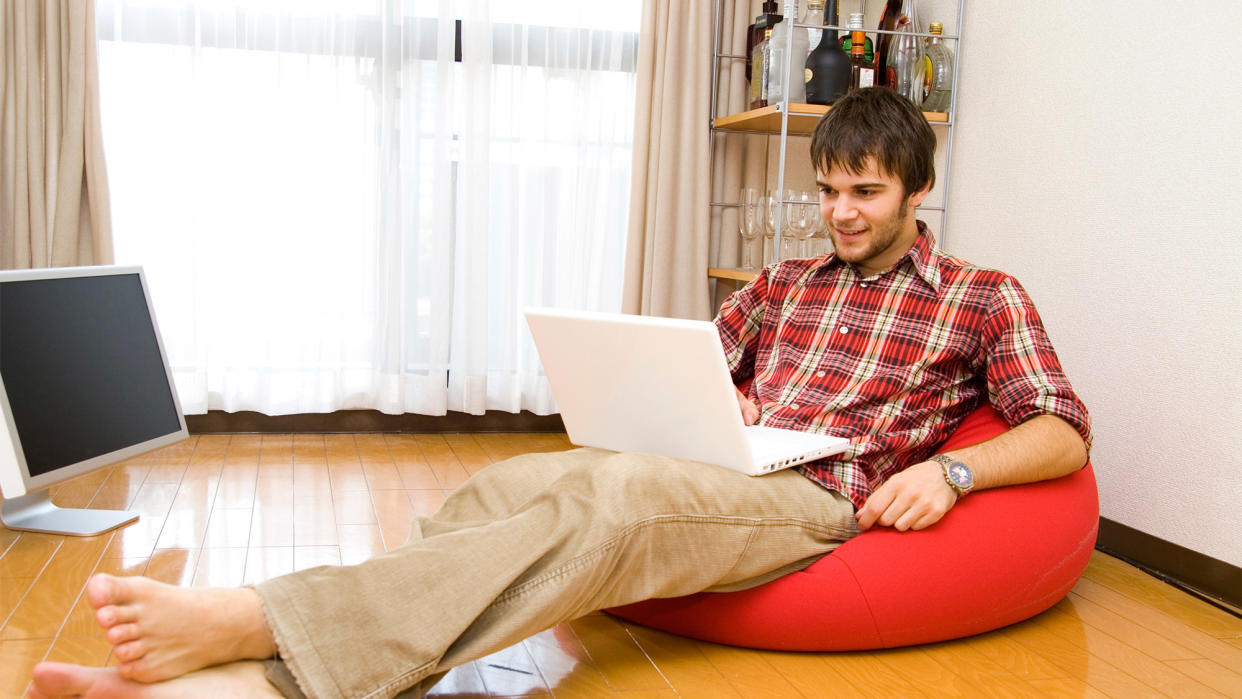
(876, 122)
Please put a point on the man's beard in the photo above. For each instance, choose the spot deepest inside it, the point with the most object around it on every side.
(882, 238)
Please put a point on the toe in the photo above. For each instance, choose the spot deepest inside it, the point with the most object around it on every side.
(101, 590)
(122, 633)
(59, 680)
(109, 616)
(125, 671)
(130, 651)
(113, 614)
(139, 671)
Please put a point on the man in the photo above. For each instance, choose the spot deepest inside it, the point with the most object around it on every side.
(887, 342)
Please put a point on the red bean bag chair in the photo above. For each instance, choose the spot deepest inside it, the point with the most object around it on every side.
(998, 557)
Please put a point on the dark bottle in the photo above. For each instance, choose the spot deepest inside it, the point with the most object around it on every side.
(754, 33)
(888, 22)
(827, 68)
(862, 71)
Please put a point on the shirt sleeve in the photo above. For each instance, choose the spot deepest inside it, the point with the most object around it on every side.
(1024, 376)
(738, 322)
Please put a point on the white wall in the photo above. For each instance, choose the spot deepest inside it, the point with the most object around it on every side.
(1098, 158)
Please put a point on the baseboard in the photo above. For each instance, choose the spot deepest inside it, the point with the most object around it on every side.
(218, 421)
(1175, 564)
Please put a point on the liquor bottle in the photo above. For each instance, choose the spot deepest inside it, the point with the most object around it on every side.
(904, 65)
(828, 67)
(862, 71)
(759, 72)
(868, 47)
(754, 33)
(814, 17)
(941, 94)
(787, 60)
(888, 22)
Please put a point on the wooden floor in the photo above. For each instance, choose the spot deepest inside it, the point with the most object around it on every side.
(221, 510)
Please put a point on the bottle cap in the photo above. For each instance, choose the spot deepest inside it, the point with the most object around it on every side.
(769, 7)
(935, 28)
(856, 20)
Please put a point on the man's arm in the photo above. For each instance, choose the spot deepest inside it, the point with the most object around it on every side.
(1041, 448)
(739, 323)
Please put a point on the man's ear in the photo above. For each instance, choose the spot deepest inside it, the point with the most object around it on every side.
(916, 198)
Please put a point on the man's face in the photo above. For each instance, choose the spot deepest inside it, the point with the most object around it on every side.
(870, 220)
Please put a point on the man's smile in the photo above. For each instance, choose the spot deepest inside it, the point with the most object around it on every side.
(849, 232)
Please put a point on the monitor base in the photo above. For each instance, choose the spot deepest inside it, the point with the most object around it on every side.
(34, 512)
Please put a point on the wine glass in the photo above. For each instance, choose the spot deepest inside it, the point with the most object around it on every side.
(802, 209)
(771, 210)
(794, 218)
(749, 223)
(789, 241)
(821, 241)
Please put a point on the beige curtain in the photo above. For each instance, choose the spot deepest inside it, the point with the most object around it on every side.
(675, 233)
(53, 188)
(667, 245)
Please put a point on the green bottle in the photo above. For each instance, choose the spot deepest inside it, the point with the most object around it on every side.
(868, 47)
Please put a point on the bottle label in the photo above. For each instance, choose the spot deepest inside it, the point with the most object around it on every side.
(927, 76)
(807, 74)
(866, 77)
(756, 81)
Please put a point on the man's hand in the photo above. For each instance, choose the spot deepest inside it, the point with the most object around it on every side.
(916, 498)
(750, 411)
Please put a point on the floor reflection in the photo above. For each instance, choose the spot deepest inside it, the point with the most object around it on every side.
(549, 661)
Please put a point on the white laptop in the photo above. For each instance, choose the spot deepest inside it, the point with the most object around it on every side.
(658, 386)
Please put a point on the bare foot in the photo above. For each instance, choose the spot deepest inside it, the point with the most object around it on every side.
(160, 631)
(242, 679)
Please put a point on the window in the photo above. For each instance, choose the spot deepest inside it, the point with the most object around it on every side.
(346, 205)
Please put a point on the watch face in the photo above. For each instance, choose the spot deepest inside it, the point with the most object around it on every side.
(960, 474)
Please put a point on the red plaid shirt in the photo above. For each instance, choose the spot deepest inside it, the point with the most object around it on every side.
(893, 362)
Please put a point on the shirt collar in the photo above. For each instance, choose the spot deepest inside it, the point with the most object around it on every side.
(922, 256)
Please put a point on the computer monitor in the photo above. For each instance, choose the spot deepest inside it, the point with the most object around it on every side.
(84, 382)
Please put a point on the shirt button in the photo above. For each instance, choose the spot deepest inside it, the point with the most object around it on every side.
(794, 406)
(821, 374)
(844, 330)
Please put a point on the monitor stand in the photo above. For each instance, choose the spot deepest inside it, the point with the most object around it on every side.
(34, 512)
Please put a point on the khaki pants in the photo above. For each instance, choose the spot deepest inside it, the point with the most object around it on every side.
(532, 542)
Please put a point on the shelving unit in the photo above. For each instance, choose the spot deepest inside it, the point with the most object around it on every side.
(794, 119)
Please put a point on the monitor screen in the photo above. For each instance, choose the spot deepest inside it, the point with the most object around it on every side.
(83, 377)
(91, 381)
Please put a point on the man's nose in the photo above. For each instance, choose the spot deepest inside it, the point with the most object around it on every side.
(843, 209)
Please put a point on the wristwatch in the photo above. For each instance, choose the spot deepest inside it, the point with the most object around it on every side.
(956, 473)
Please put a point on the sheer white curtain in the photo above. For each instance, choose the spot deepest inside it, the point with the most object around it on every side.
(342, 205)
